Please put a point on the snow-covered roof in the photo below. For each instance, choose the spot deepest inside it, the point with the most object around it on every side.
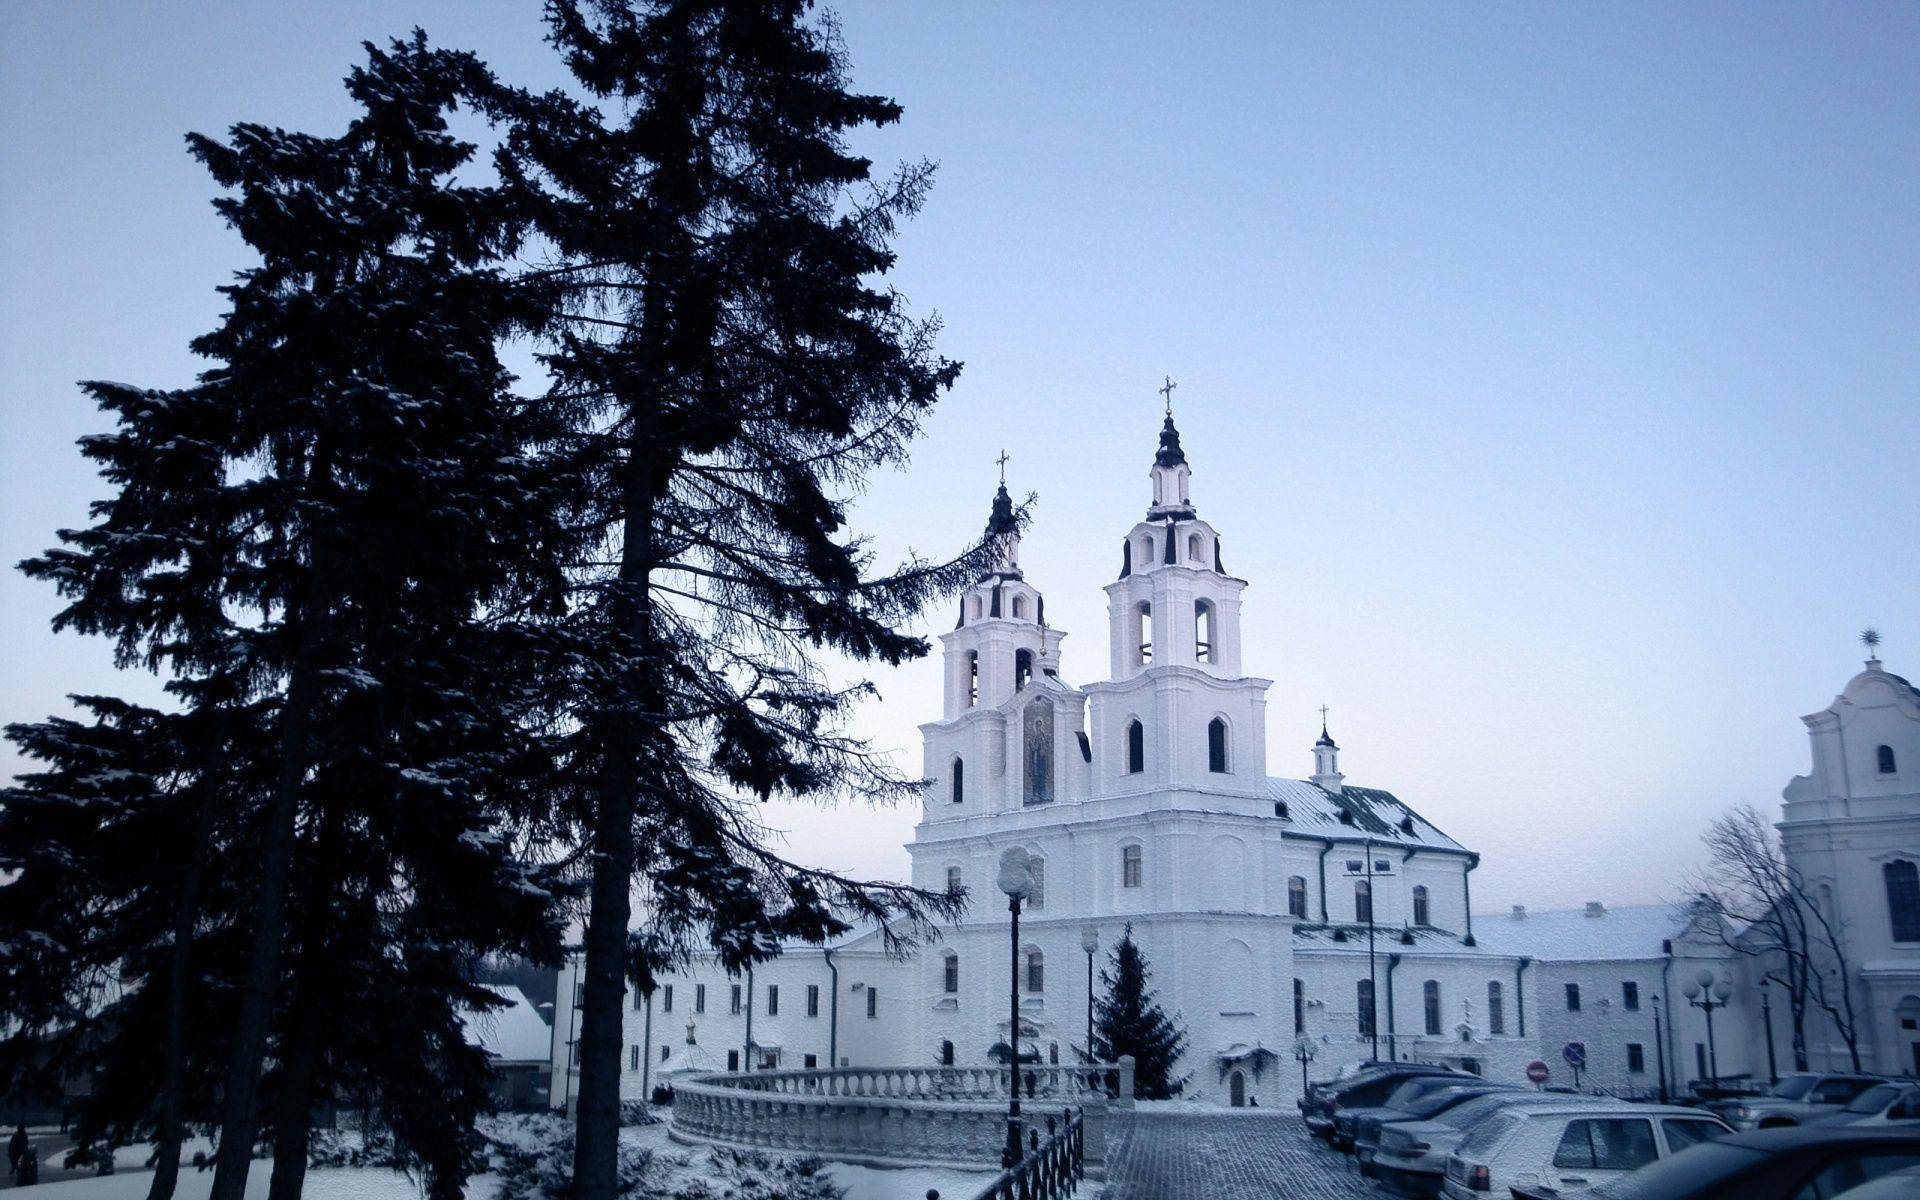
(511, 1034)
(1610, 934)
(1349, 936)
(1357, 813)
(689, 1058)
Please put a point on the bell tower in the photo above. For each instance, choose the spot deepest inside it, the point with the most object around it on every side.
(1175, 711)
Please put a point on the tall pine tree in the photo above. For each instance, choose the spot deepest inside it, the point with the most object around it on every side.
(733, 371)
(1129, 1020)
(344, 517)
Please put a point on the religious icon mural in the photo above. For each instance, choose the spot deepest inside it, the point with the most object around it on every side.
(1037, 731)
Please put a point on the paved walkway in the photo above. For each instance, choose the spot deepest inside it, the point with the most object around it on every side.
(1225, 1156)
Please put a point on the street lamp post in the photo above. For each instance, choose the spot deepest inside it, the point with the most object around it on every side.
(1766, 1018)
(1711, 994)
(1090, 941)
(1303, 1051)
(1016, 880)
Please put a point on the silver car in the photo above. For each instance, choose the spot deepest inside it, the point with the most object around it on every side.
(1794, 1099)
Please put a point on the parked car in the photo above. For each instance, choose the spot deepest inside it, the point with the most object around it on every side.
(1882, 1104)
(1364, 1089)
(1900, 1185)
(1412, 1157)
(1793, 1100)
(1430, 1103)
(1769, 1164)
(1346, 1121)
(1565, 1147)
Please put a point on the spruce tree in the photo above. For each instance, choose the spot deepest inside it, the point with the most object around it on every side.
(733, 371)
(344, 517)
(1129, 1020)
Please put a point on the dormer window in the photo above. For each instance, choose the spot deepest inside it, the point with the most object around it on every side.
(1884, 760)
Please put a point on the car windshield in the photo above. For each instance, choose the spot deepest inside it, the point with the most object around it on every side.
(1488, 1134)
(1435, 1102)
(1873, 1099)
(1688, 1173)
(1793, 1086)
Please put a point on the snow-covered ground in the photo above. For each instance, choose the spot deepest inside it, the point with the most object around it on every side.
(373, 1183)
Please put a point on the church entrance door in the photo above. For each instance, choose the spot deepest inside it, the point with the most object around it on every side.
(1237, 1090)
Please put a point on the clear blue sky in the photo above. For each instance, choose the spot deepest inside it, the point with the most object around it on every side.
(1548, 369)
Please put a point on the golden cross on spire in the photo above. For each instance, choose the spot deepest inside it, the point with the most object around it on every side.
(1166, 390)
(1323, 718)
(1002, 460)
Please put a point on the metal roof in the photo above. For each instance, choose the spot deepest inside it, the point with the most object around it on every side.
(1356, 814)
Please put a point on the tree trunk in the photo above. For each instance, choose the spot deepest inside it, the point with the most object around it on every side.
(596, 1161)
(239, 1115)
(293, 1114)
(173, 1047)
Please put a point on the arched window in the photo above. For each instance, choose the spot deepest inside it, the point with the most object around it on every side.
(1037, 871)
(1364, 1006)
(1430, 994)
(1019, 607)
(1036, 971)
(973, 678)
(1130, 866)
(1217, 746)
(1362, 901)
(950, 978)
(1146, 633)
(977, 609)
(1202, 631)
(1146, 551)
(1496, 1013)
(959, 786)
(946, 1054)
(1194, 547)
(1420, 911)
(1022, 668)
(1297, 896)
(1136, 748)
(953, 880)
(1903, 900)
(1884, 755)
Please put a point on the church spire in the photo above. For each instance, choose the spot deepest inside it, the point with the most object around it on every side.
(1170, 472)
(1326, 758)
(1004, 528)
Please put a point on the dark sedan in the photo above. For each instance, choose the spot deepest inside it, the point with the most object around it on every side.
(1768, 1164)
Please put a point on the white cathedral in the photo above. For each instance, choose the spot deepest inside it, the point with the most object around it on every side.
(1276, 914)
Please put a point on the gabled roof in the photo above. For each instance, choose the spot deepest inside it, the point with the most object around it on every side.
(511, 1034)
(1369, 813)
(1613, 935)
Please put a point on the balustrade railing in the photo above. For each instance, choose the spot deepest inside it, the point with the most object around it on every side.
(1051, 1170)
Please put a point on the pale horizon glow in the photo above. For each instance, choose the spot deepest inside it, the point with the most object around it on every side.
(1549, 371)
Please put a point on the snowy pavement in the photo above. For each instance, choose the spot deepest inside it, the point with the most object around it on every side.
(1231, 1154)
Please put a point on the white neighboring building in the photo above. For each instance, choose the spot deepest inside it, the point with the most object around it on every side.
(1851, 828)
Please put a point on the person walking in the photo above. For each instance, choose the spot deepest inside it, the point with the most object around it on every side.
(16, 1148)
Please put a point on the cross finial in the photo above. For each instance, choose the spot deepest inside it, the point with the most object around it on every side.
(1002, 460)
(1870, 638)
(1166, 389)
(1323, 718)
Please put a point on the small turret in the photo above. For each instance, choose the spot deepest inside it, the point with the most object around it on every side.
(1326, 759)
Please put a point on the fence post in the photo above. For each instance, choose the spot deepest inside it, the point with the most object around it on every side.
(1124, 1100)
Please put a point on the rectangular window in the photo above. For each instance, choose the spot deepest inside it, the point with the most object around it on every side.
(633, 1058)
(1365, 1007)
(1573, 997)
(813, 1001)
(1630, 996)
(1130, 866)
(1430, 994)
(1363, 902)
(699, 997)
(573, 1052)
(666, 998)
(810, 1061)
(733, 1060)
(873, 1001)
(733, 1001)
(1299, 1007)
(773, 999)
(1700, 1060)
(639, 1001)
(664, 1052)
(953, 879)
(1037, 872)
(579, 995)
(1636, 1059)
(1496, 1011)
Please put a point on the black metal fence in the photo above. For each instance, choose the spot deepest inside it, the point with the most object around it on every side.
(1051, 1169)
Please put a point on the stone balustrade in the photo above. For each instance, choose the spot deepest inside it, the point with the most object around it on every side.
(889, 1116)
